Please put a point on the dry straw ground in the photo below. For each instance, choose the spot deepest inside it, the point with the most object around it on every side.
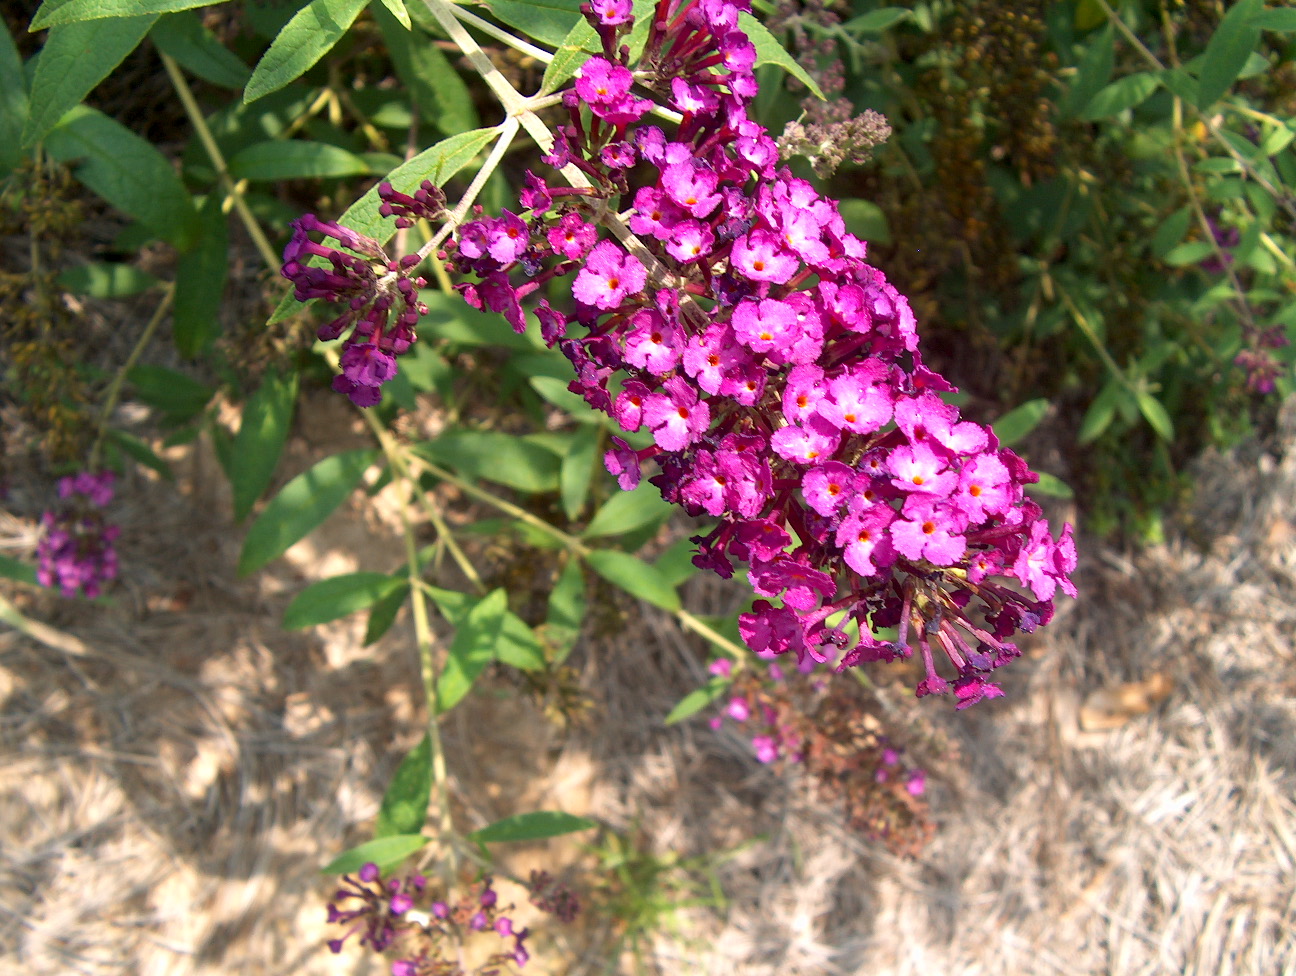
(175, 770)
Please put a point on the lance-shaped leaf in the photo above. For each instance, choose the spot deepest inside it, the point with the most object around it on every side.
(127, 172)
(55, 12)
(770, 51)
(75, 58)
(627, 511)
(301, 505)
(548, 21)
(1227, 52)
(635, 576)
(260, 441)
(698, 699)
(531, 826)
(183, 37)
(337, 596)
(200, 282)
(495, 456)
(386, 852)
(13, 102)
(566, 610)
(305, 39)
(405, 804)
(472, 649)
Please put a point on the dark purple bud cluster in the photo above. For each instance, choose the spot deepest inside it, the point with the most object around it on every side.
(387, 915)
(380, 294)
(777, 371)
(76, 551)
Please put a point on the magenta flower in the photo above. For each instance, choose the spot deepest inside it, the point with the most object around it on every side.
(608, 277)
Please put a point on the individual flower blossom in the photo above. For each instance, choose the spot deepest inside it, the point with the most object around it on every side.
(75, 552)
(609, 276)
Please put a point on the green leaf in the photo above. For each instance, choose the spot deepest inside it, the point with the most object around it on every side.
(575, 474)
(182, 37)
(1101, 412)
(1192, 252)
(676, 563)
(770, 51)
(1171, 232)
(472, 649)
(13, 102)
(566, 610)
(627, 511)
(275, 160)
(1281, 19)
(635, 576)
(437, 163)
(176, 395)
(531, 826)
(200, 282)
(1156, 416)
(1121, 95)
(404, 807)
(76, 57)
(386, 852)
(1051, 486)
(1181, 84)
(1227, 52)
(876, 21)
(548, 21)
(582, 42)
(102, 279)
(698, 699)
(495, 456)
(337, 596)
(434, 85)
(1094, 72)
(51, 13)
(305, 39)
(126, 171)
(11, 568)
(397, 9)
(383, 614)
(136, 449)
(261, 437)
(517, 645)
(866, 219)
(1017, 423)
(301, 506)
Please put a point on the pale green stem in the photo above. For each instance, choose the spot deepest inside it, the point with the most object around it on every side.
(522, 108)
(507, 130)
(217, 159)
(486, 27)
(114, 389)
(572, 544)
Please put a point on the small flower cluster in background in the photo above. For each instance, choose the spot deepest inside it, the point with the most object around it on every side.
(426, 933)
(830, 729)
(75, 553)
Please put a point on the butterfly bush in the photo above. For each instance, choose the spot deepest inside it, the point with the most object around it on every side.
(732, 317)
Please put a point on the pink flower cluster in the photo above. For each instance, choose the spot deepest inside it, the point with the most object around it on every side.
(76, 551)
(385, 917)
(778, 373)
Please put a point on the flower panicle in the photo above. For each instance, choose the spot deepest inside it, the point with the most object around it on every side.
(774, 375)
(406, 918)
